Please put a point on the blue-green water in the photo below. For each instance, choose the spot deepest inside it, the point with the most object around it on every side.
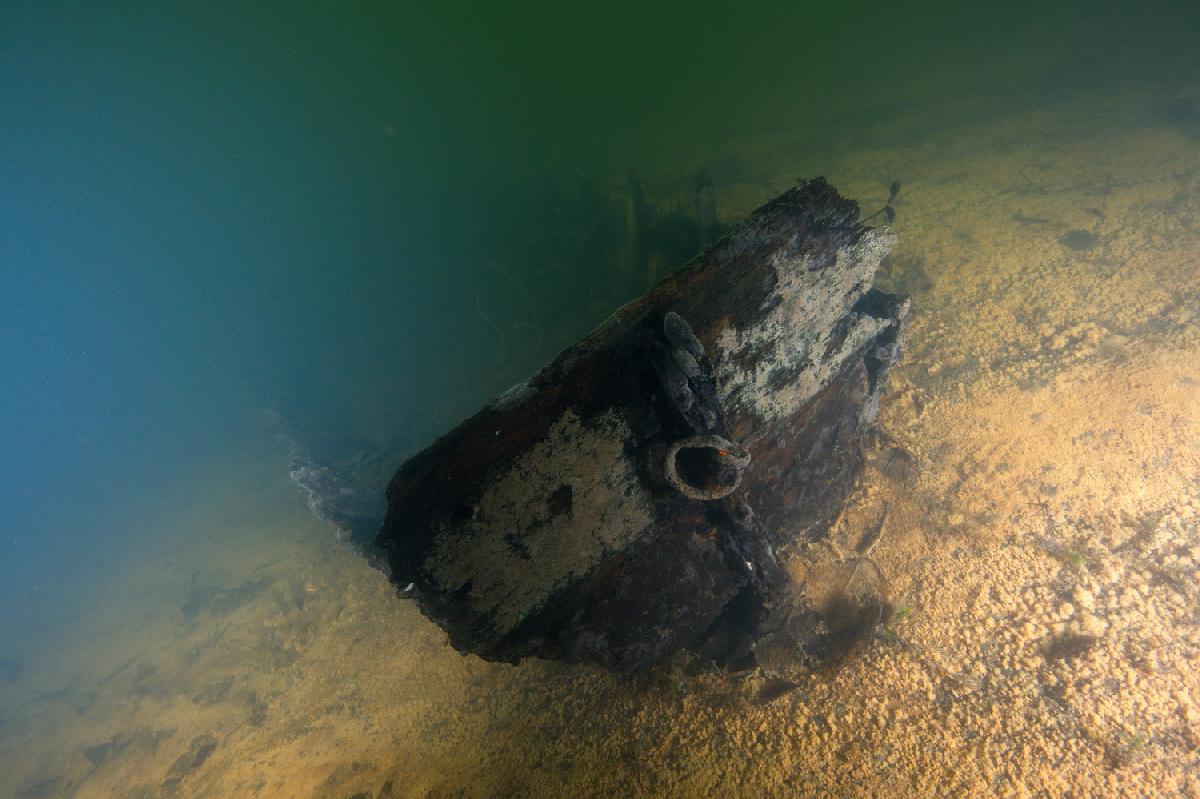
(353, 225)
(209, 211)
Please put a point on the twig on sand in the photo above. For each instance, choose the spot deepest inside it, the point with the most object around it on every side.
(868, 544)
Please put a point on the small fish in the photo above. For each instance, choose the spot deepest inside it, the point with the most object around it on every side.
(1030, 220)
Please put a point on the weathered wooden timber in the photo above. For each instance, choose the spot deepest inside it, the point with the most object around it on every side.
(627, 501)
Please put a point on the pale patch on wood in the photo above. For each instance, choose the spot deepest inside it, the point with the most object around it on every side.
(802, 311)
(546, 521)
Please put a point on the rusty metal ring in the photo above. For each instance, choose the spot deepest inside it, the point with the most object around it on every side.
(728, 453)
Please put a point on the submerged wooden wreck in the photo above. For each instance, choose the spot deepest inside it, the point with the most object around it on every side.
(629, 499)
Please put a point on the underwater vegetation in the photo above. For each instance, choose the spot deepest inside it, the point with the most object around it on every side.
(888, 212)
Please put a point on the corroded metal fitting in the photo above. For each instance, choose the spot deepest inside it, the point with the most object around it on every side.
(727, 453)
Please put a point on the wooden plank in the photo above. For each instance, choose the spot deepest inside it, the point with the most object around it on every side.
(604, 509)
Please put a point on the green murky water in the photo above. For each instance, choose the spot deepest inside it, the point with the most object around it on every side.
(232, 232)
